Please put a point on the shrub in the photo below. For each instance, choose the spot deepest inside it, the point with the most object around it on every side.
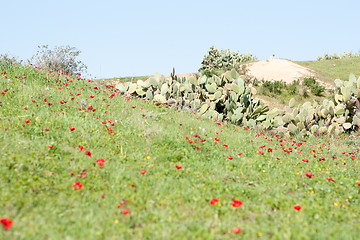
(223, 59)
(337, 56)
(293, 87)
(62, 58)
(317, 90)
(309, 82)
(270, 88)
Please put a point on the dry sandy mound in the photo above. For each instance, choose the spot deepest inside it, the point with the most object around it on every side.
(278, 69)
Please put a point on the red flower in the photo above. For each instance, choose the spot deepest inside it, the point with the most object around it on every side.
(236, 203)
(358, 183)
(27, 121)
(198, 147)
(309, 174)
(46, 129)
(142, 171)
(225, 146)
(216, 139)
(214, 200)
(305, 160)
(229, 157)
(77, 186)
(111, 122)
(260, 151)
(219, 124)
(81, 147)
(178, 166)
(125, 211)
(62, 101)
(100, 162)
(240, 154)
(7, 223)
(270, 150)
(103, 122)
(92, 96)
(88, 153)
(190, 141)
(50, 146)
(330, 179)
(297, 207)
(237, 230)
(71, 128)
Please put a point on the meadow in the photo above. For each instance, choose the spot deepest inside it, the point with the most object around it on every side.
(81, 161)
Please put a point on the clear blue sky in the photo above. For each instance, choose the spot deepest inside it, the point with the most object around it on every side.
(129, 38)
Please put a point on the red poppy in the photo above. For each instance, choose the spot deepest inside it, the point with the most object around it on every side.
(81, 148)
(225, 146)
(77, 186)
(219, 124)
(27, 121)
(125, 211)
(229, 157)
(142, 171)
(100, 162)
(103, 122)
(216, 139)
(240, 154)
(7, 223)
(92, 96)
(190, 141)
(330, 179)
(214, 200)
(88, 153)
(297, 207)
(198, 147)
(71, 128)
(305, 160)
(236, 203)
(309, 174)
(270, 150)
(358, 183)
(178, 166)
(237, 230)
(50, 146)
(260, 151)
(62, 101)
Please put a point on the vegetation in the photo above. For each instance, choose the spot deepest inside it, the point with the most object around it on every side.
(216, 62)
(61, 58)
(337, 56)
(78, 159)
(328, 71)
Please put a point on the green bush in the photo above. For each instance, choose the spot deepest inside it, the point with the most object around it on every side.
(292, 88)
(223, 59)
(317, 90)
(337, 56)
(309, 82)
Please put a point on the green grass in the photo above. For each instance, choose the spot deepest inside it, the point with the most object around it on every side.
(165, 202)
(124, 79)
(329, 70)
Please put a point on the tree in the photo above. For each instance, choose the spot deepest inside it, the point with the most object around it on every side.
(62, 58)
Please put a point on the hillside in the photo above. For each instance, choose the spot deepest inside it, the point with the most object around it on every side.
(79, 160)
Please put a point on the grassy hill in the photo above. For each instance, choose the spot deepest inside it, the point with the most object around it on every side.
(329, 70)
(81, 161)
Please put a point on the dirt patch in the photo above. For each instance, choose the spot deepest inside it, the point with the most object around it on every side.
(278, 69)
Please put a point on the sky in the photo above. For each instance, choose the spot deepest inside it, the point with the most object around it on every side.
(135, 38)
